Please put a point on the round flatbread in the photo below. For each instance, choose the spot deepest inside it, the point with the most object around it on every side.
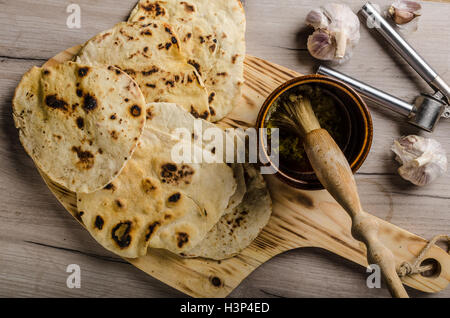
(212, 33)
(151, 55)
(157, 202)
(236, 230)
(80, 124)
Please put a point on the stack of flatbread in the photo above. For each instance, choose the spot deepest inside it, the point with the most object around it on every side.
(106, 124)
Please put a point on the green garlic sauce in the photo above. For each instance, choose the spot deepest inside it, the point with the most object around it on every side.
(291, 151)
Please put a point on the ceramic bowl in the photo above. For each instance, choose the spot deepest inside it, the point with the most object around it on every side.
(357, 125)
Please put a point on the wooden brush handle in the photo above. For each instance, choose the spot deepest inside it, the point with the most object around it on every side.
(335, 174)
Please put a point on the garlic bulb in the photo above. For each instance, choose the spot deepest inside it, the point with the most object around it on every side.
(336, 32)
(405, 14)
(423, 160)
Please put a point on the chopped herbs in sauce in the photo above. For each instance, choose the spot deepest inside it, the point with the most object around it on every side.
(331, 118)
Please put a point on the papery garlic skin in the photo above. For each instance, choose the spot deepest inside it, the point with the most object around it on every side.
(321, 46)
(341, 26)
(317, 19)
(423, 159)
(406, 14)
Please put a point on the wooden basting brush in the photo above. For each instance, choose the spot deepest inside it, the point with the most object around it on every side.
(334, 172)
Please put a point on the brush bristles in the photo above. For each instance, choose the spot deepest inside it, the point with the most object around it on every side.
(297, 116)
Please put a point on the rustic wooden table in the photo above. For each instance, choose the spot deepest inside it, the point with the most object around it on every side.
(39, 239)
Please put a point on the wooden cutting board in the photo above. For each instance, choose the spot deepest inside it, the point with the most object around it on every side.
(300, 218)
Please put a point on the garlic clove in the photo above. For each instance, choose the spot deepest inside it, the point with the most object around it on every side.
(341, 44)
(401, 17)
(423, 160)
(317, 19)
(321, 45)
(405, 12)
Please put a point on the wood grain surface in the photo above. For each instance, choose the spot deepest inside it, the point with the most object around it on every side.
(38, 239)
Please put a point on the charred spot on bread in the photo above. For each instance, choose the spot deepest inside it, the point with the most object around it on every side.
(135, 111)
(170, 167)
(195, 65)
(204, 115)
(153, 70)
(110, 186)
(86, 158)
(83, 71)
(168, 30)
(78, 216)
(121, 234)
(119, 203)
(194, 112)
(130, 71)
(99, 222)
(189, 8)
(172, 174)
(148, 186)
(54, 102)
(80, 122)
(154, 8)
(216, 281)
(114, 135)
(174, 198)
(90, 102)
(149, 33)
(182, 239)
(151, 229)
(211, 97)
(149, 114)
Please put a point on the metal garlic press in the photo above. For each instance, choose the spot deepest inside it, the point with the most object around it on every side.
(427, 109)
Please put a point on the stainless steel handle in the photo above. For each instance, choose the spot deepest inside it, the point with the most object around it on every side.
(375, 20)
(425, 113)
(371, 93)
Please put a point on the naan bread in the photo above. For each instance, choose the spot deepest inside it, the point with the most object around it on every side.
(213, 35)
(156, 202)
(237, 230)
(169, 117)
(151, 55)
(80, 124)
